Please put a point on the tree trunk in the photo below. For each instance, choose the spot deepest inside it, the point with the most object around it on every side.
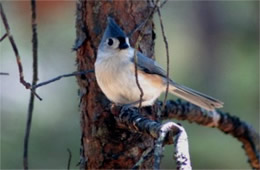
(104, 143)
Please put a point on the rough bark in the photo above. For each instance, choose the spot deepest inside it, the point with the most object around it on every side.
(105, 144)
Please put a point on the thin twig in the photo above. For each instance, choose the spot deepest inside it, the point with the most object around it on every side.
(3, 37)
(61, 76)
(141, 26)
(69, 159)
(34, 81)
(18, 59)
(15, 49)
(4, 74)
(35, 94)
(167, 54)
(136, 72)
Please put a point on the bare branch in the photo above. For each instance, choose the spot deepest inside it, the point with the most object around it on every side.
(16, 52)
(34, 81)
(223, 121)
(185, 111)
(164, 133)
(135, 122)
(61, 76)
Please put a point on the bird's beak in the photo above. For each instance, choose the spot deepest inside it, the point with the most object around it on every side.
(123, 46)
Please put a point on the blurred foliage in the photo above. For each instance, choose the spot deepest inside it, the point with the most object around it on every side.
(213, 47)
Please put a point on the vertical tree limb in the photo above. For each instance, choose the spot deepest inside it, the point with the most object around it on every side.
(34, 81)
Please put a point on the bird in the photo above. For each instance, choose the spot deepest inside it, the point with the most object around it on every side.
(115, 74)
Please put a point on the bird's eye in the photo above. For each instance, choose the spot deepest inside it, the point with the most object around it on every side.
(110, 42)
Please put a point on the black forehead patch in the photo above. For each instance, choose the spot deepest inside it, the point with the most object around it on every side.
(121, 40)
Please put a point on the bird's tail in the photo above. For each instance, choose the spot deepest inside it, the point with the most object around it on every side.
(195, 97)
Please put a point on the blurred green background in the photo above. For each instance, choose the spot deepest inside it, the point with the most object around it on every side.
(214, 48)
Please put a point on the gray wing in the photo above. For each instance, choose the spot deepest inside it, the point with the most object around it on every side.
(151, 67)
(148, 65)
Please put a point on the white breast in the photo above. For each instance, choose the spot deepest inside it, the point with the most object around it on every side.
(115, 77)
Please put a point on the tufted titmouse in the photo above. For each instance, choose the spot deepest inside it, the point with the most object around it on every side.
(115, 73)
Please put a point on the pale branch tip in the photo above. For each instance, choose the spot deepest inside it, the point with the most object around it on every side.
(158, 148)
(181, 148)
